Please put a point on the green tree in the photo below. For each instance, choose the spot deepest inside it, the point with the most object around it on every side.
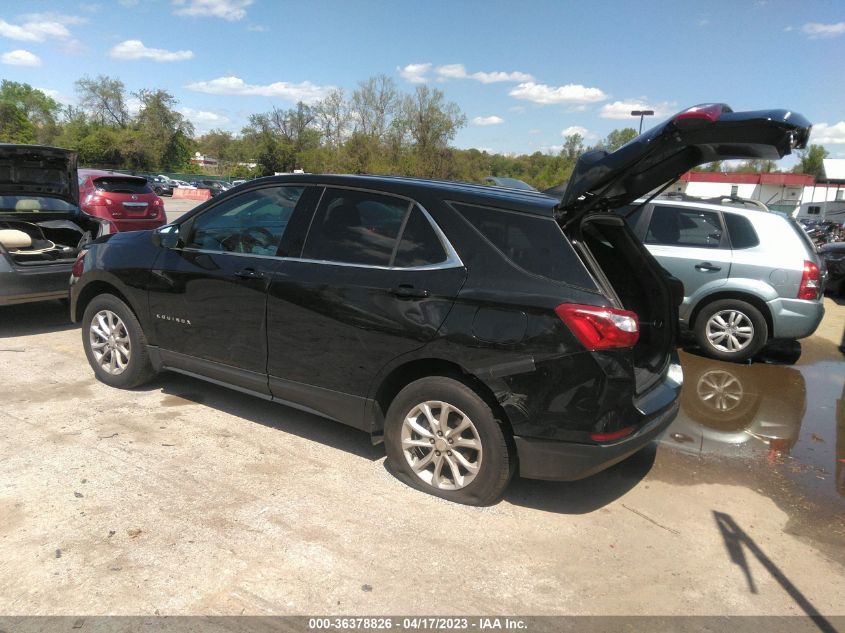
(431, 123)
(810, 161)
(617, 138)
(104, 99)
(14, 126)
(40, 110)
(164, 134)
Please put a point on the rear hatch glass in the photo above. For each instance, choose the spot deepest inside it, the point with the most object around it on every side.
(113, 184)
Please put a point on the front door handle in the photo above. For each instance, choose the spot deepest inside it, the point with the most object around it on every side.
(249, 273)
(406, 291)
(707, 267)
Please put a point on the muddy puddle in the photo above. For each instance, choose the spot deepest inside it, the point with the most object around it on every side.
(776, 426)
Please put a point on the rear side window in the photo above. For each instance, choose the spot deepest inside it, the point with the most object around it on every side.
(741, 232)
(681, 226)
(535, 244)
(419, 245)
(355, 227)
(122, 185)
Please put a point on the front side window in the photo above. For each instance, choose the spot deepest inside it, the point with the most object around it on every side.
(252, 222)
(676, 226)
(355, 227)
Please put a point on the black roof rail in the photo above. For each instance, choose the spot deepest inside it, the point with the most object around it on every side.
(746, 202)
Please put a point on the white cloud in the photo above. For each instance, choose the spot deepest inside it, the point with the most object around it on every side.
(231, 85)
(818, 31)
(135, 49)
(824, 134)
(39, 27)
(415, 73)
(230, 10)
(459, 71)
(20, 57)
(488, 120)
(204, 120)
(129, 3)
(575, 129)
(546, 95)
(257, 28)
(622, 109)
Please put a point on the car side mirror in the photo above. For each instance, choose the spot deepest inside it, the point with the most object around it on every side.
(169, 236)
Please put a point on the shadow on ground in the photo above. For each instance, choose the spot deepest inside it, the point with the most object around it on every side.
(41, 317)
(179, 390)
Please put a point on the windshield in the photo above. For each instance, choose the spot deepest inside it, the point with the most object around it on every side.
(35, 204)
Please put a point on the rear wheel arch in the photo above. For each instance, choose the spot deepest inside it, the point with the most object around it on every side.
(405, 374)
(752, 299)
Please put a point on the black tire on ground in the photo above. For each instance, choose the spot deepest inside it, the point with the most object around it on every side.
(157, 191)
(497, 459)
(139, 369)
(748, 312)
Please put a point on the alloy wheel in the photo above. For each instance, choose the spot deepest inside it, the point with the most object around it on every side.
(109, 342)
(729, 331)
(441, 445)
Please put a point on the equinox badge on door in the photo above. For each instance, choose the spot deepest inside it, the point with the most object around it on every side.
(166, 317)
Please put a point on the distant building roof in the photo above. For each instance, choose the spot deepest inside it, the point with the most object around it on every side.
(834, 168)
(793, 180)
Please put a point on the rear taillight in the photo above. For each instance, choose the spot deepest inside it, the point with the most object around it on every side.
(614, 435)
(600, 328)
(707, 112)
(156, 207)
(78, 265)
(810, 282)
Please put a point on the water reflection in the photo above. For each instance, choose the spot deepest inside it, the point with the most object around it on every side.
(738, 410)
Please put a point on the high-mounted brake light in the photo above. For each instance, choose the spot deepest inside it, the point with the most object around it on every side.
(810, 282)
(600, 328)
(707, 111)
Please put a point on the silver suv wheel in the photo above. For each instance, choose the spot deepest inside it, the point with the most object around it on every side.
(441, 445)
(109, 341)
(729, 331)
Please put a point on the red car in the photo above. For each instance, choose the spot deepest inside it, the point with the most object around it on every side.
(128, 202)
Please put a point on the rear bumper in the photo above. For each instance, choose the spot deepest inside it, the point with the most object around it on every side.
(567, 461)
(795, 318)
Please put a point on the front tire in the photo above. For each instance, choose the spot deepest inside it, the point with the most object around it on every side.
(731, 330)
(115, 344)
(442, 438)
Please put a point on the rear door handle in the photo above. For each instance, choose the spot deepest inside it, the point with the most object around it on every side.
(249, 273)
(406, 291)
(707, 267)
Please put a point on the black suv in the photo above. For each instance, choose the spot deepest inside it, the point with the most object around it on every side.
(477, 331)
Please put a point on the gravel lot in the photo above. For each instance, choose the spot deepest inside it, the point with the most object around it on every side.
(186, 498)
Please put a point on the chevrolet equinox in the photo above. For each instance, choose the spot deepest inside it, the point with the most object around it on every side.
(478, 331)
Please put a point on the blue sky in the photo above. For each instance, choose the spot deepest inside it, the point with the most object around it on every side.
(523, 73)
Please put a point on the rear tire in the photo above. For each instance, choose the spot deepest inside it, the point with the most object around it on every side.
(442, 438)
(731, 330)
(115, 344)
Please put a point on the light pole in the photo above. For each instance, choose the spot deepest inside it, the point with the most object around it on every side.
(641, 114)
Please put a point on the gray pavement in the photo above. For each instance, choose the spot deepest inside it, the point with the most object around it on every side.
(183, 497)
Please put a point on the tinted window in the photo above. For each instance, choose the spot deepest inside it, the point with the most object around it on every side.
(355, 227)
(741, 232)
(252, 222)
(675, 226)
(419, 245)
(532, 243)
(122, 185)
(631, 218)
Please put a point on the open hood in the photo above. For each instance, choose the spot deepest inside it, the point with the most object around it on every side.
(701, 134)
(38, 170)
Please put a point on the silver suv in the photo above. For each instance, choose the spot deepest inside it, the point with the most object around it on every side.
(749, 274)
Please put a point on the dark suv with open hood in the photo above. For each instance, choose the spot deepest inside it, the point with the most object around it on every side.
(41, 226)
(477, 331)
